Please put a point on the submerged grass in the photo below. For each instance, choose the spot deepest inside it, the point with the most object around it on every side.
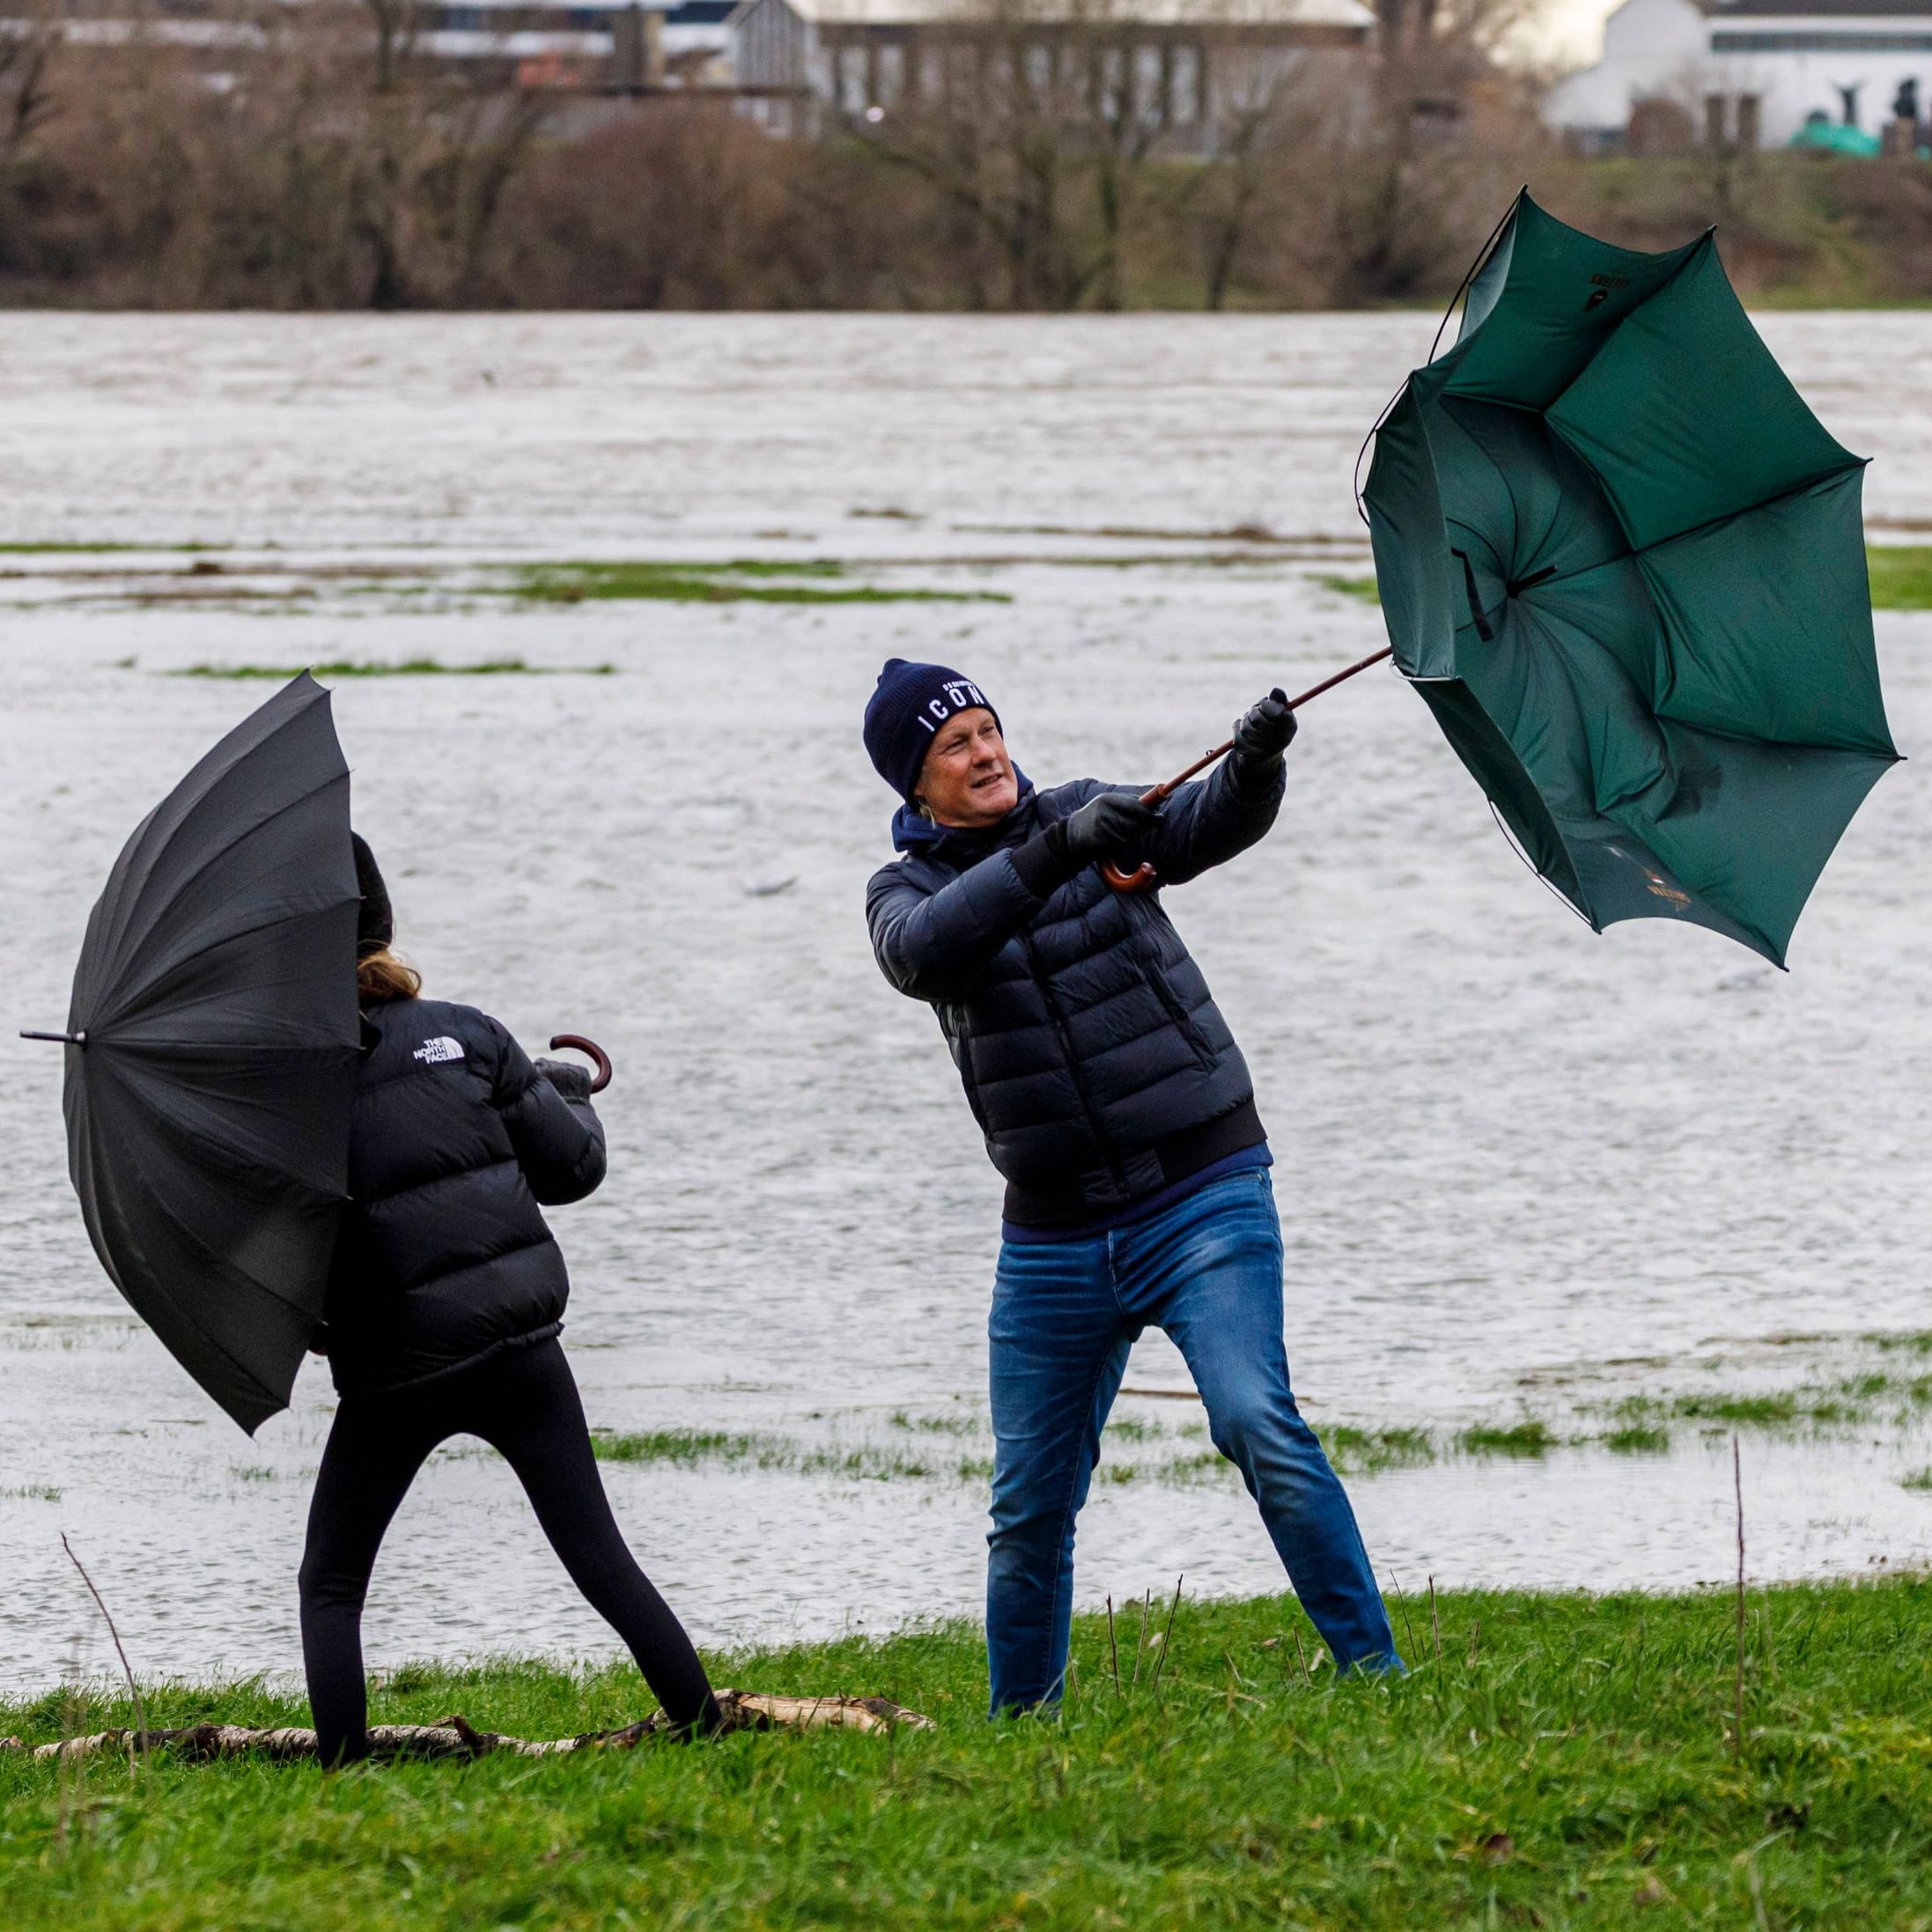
(683, 1446)
(1556, 1761)
(407, 668)
(1902, 576)
(748, 580)
(1364, 588)
(1532, 1436)
(1364, 1451)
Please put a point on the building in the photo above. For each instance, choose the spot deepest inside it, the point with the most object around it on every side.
(1755, 72)
(1187, 66)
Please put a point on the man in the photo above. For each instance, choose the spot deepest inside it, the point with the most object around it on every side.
(1118, 1107)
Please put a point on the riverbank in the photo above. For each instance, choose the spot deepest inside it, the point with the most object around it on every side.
(1552, 1761)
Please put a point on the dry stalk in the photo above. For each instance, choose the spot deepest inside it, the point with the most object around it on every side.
(1307, 1674)
(1475, 1640)
(1406, 1625)
(127, 1669)
(1167, 1639)
(1147, 1605)
(1738, 1484)
(1435, 1622)
(1113, 1644)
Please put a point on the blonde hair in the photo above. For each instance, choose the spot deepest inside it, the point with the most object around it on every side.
(382, 976)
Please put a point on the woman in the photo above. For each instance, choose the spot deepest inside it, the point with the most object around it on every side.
(445, 1302)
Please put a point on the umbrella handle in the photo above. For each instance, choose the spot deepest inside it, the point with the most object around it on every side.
(1143, 877)
(601, 1079)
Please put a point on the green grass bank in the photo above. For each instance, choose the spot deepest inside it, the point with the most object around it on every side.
(1563, 1761)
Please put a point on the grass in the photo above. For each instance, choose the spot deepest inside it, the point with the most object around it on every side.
(1902, 576)
(746, 581)
(684, 1446)
(1529, 1437)
(1364, 1451)
(103, 549)
(1901, 579)
(1564, 1763)
(408, 668)
(1920, 1479)
(31, 1492)
(1365, 588)
(1638, 1439)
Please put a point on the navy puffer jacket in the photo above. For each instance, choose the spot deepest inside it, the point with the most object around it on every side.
(444, 1256)
(1093, 1056)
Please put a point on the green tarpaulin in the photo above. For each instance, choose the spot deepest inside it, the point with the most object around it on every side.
(1625, 566)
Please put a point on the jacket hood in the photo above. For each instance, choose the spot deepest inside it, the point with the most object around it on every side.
(913, 831)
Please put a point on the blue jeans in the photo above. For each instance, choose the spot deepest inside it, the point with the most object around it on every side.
(1065, 1312)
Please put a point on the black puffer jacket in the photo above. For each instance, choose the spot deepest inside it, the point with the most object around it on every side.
(444, 1256)
(1092, 1055)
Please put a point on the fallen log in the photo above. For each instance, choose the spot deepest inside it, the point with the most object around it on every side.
(454, 1737)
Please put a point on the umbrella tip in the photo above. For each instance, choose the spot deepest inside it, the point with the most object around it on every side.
(69, 1039)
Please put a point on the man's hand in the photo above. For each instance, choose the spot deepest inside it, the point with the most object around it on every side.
(1265, 731)
(569, 1080)
(1115, 825)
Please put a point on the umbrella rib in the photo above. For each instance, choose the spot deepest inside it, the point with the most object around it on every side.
(219, 1264)
(159, 989)
(297, 717)
(152, 1281)
(214, 854)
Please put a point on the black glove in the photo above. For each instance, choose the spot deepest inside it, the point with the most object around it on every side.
(1116, 825)
(1265, 731)
(569, 1080)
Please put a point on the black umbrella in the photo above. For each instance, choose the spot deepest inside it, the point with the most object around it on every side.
(211, 1048)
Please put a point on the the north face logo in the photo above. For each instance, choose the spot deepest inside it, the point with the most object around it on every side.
(433, 1052)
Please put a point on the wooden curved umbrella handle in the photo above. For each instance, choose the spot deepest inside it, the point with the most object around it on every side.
(601, 1079)
(1141, 879)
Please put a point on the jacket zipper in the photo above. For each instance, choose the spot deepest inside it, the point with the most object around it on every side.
(1102, 1139)
(1184, 1021)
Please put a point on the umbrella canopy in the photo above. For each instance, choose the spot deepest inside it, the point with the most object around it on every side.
(213, 1039)
(1625, 566)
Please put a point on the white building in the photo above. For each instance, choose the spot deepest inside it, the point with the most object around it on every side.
(1187, 65)
(1754, 71)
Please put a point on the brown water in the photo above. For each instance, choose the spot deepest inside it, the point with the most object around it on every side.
(1504, 1145)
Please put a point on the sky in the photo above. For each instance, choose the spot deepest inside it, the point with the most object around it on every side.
(1568, 32)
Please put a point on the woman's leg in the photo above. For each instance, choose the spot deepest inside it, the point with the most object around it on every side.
(535, 1417)
(375, 1448)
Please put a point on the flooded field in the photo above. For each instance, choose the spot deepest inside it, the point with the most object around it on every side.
(604, 597)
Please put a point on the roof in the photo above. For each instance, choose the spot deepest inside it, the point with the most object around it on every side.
(1723, 11)
(1092, 13)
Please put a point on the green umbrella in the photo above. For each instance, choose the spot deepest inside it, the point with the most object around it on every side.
(1624, 565)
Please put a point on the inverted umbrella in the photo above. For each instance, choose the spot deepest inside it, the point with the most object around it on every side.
(211, 1048)
(1624, 565)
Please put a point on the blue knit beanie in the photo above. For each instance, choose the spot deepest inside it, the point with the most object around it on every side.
(908, 704)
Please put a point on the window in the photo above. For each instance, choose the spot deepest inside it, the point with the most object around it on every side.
(1821, 40)
(853, 94)
(1184, 86)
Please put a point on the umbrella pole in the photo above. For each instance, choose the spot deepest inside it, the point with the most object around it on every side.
(1143, 875)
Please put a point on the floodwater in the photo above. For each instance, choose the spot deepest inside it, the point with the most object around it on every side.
(1523, 1169)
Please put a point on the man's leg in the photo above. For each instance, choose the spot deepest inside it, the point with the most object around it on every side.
(1209, 1271)
(375, 1448)
(528, 1408)
(1058, 1350)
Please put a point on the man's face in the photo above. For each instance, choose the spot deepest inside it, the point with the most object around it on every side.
(967, 779)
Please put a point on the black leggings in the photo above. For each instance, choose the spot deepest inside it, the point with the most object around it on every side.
(524, 1402)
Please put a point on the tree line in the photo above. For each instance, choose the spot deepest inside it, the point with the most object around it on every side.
(324, 157)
